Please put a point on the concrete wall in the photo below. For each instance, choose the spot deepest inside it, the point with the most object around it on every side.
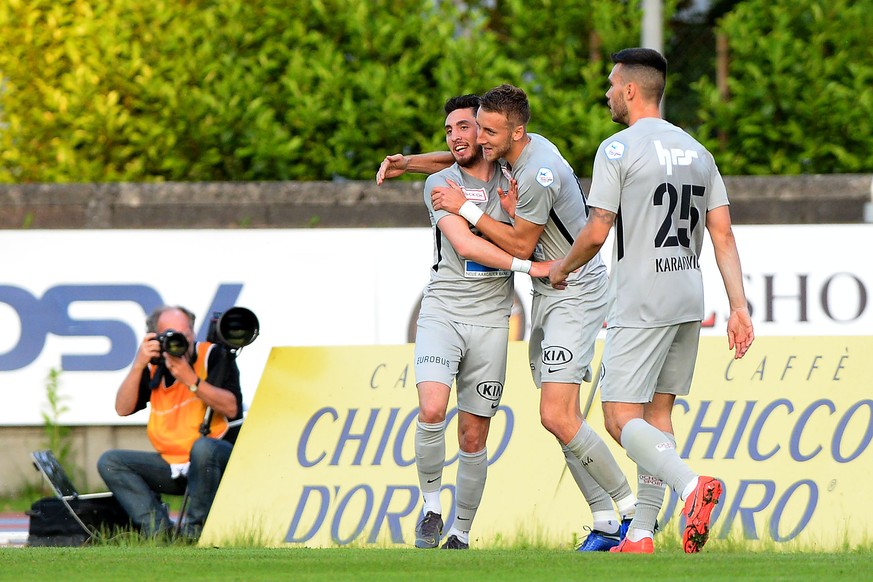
(87, 444)
(755, 200)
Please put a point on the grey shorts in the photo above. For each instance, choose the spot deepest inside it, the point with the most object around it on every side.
(638, 362)
(564, 329)
(472, 356)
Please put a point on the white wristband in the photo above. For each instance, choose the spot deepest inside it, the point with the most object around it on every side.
(520, 265)
(471, 212)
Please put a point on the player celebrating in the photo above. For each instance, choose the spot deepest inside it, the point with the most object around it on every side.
(658, 186)
(462, 332)
(550, 207)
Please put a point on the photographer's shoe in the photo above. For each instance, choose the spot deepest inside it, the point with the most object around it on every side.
(429, 530)
(191, 532)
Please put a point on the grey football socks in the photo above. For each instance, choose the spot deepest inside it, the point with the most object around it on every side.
(596, 496)
(472, 471)
(652, 449)
(430, 456)
(597, 460)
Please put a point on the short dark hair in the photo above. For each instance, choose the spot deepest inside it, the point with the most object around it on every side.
(462, 102)
(644, 57)
(647, 66)
(154, 316)
(510, 101)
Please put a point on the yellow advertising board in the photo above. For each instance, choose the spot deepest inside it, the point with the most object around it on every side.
(325, 456)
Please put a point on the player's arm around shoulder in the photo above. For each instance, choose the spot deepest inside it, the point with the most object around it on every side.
(395, 165)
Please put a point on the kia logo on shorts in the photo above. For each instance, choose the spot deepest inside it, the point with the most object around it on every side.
(490, 390)
(556, 355)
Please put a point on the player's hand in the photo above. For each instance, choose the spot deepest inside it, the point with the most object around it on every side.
(557, 275)
(740, 332)
(541, 269)
(391, 167)
(449, 198)
(509, 200)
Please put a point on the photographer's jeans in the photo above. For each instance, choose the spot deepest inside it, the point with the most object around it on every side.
(209, 458)
(139, 478)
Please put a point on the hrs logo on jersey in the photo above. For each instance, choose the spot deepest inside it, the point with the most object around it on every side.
(670, 157)
(545, 177)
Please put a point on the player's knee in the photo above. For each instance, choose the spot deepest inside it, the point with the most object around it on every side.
(551, 421)
(472, 441)
(613, 427)
(431, 413)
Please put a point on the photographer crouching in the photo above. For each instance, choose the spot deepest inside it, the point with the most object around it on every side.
(185, 383)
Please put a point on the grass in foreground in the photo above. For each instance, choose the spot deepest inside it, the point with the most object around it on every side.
(127, 555)
(505, 565)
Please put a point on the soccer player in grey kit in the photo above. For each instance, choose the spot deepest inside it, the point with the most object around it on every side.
(658, 187)
(550, 209)
(462, 331)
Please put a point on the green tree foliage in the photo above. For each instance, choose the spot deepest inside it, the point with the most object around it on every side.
(87, 89)
(190, 90)
(564, 48)
(800, 83)
(124, 90)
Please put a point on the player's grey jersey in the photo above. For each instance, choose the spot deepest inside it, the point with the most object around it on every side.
(549, 193)
(459, 289)
(660, 182)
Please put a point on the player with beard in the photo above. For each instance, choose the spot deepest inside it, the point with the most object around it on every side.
(550, 208)
(659, 187)
(462, 331)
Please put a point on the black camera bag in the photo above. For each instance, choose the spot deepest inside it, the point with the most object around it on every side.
(52, 525)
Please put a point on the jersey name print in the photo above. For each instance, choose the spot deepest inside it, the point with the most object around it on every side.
(475, 194)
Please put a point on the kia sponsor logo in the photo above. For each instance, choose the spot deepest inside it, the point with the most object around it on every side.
(556, 356)
(490, 390)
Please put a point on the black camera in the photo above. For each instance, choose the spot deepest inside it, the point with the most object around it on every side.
(235, 328)
(172, 342)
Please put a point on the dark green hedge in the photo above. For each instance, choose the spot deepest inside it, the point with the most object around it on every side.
(801, 89)
(190, 90)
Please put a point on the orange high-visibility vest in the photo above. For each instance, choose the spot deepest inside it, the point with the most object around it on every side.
(177, 413)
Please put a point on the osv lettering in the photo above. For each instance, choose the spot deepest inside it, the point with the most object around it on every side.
(51, 315)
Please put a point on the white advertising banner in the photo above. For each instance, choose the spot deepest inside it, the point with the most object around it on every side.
(76, 301)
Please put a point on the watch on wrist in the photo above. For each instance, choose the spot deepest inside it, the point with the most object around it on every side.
(193, 387)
